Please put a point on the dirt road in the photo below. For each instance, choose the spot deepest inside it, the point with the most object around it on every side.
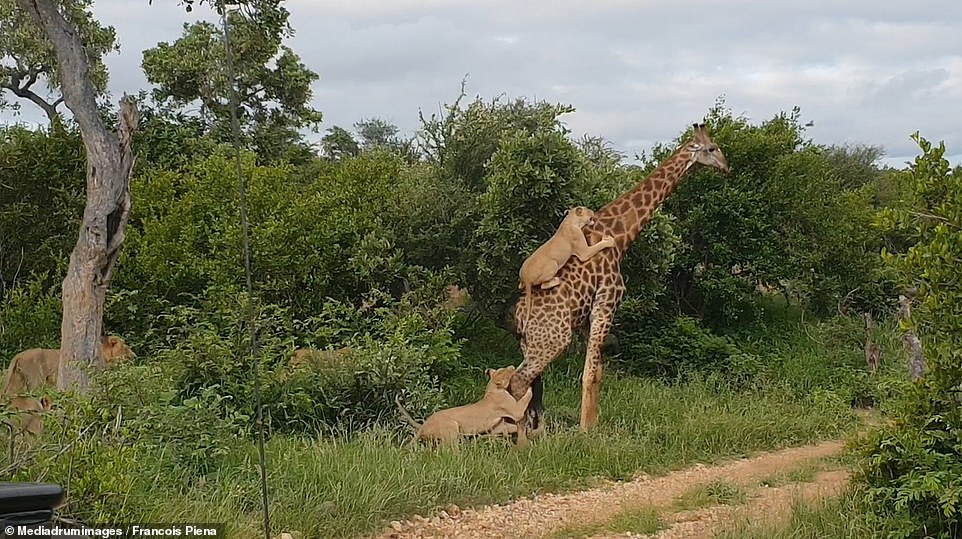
(767, 484)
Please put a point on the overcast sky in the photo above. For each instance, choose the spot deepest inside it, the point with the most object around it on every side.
(638, 71)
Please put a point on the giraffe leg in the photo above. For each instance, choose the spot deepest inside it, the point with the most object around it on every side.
(601, 317)
(541, 344)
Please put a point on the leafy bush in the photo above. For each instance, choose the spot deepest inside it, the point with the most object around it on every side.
(782, 215)
(41, 201)
(30, 317)
(670, 347)
(912, 471)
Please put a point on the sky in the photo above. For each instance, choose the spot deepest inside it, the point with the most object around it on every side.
(637, 71)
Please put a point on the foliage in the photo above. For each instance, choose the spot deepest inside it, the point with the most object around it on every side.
(30, 317)
(41, 200)
(670, 348)
(273, 85)
(782, 217)
(168, 139)
(912, 471)
(378, 134)
(339, 142)
(396, 348)
(327, 236)
(529, 176)
(28, 57)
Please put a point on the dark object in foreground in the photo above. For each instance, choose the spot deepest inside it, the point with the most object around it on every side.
(28, 503)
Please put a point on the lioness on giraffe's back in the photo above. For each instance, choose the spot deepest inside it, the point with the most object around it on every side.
(541, 268)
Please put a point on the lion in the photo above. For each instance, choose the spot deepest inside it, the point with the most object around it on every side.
(458, 299)
(39, 367)
(487, 416)
(310, 357)
(29, 414)
(542, 266)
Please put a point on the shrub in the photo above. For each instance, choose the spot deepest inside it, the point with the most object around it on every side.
(669, 347)
(912, 471)
(30, 317)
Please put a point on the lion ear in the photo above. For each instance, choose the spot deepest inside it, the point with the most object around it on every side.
(46, 403)
(489, 372)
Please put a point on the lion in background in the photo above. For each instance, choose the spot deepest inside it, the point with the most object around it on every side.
(39, 368)
(311, 358)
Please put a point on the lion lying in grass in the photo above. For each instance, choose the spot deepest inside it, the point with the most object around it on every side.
(487, 416)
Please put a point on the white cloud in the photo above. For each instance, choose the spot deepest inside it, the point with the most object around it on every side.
(637, 71)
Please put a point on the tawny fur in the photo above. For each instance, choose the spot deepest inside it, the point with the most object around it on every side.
(483, 417)
(38, 368)
(541, 268)
(310, 357)
(29, 418)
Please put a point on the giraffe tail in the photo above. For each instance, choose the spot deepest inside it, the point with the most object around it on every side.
(527, 306)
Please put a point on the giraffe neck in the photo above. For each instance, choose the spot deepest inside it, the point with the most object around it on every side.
(624, 217)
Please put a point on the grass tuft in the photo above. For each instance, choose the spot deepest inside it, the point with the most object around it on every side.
(642, 520)
(717, 492)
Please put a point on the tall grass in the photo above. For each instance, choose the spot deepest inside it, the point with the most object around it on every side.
(330, 487)
(840, 518)
(325, 486)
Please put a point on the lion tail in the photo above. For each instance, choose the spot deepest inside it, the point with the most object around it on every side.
(404, 414)
(527, 305)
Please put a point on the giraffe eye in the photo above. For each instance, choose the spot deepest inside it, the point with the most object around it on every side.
(711, 149)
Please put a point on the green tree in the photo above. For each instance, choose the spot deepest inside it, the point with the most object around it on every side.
(41, 201)
(273, 85)
(784, 215)
(28, 63)
(378, 134)
(913, 470)
(338, 143)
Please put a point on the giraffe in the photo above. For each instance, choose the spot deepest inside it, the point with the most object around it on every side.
(591, 291)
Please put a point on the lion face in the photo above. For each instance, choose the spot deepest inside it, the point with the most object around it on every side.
(500, 378)
(581, 216)
(114, 348)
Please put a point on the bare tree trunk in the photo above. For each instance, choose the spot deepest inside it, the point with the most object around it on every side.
(912, 343)
(109, 163)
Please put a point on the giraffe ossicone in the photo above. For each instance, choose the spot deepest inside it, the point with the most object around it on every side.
(589, 291)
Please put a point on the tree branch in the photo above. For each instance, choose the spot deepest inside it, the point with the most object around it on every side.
(79, 93)
(938, 218)
(21, 88)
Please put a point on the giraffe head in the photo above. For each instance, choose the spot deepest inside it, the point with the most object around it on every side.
(704, 150)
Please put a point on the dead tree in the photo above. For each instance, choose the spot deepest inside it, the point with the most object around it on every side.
(109, 164)
(873, 352)
(912, 343)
